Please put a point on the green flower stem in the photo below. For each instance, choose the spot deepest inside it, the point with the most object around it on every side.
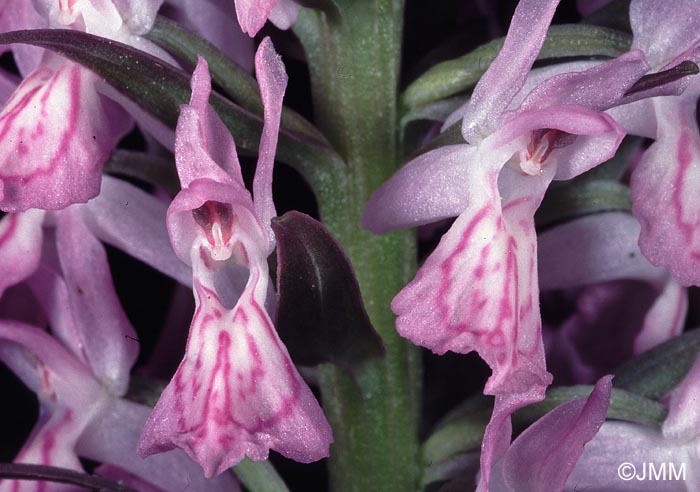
(353, 56)
(259, 476)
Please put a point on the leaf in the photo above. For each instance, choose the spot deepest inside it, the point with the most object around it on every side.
(160, 89)
(563, 41)
(259, 476)
(321, 317)
(656, 372)
(149, 168)
(658, 79)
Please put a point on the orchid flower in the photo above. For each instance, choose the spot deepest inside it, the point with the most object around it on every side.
(478, 290)
(543, 456)
(93, 343)
(623, 306)
(252, 14)
(57, 130)
(664, 183)
(677, 443)
(237, 391)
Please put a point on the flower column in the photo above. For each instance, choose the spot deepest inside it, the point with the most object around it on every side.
(353, 50)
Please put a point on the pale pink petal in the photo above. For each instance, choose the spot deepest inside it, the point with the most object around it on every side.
(204, 147)
(618, 443)
(507, 73)
(665, 319)
(112, 438)
(138, 15)
(597, 88)
(272, 80)
(20, 246)
(237, 392)
(134, 221)
(56, 133)
(429, 188)
(683, 421)
(634, 117)
(107, 339)
(284, 14)
(664, 192)
(662, 30)
(543, 456)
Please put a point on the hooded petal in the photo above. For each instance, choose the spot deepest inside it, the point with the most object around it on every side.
(20, 246)
(56, 133)
(272, 80)
(236, 393)
(543, 456)
(664, 196)
(507, 73)
(106, 336)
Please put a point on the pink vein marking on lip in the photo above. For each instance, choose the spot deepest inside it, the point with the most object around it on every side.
(72, 119)
(10, 229)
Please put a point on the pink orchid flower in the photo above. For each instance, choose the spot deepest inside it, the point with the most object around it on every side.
(80, 374)
(56, 130)
(622, 305)
(478, 290)
(664, 184)
(236, 392)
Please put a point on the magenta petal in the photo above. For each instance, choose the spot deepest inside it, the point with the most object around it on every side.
(20, 246)
(506, 74)
(55, 134)
(252, 14)
(543, 456)
(429, 188)
(272, 80)
(204, 147)
(237, 392)
(664, 192)
(107, 338)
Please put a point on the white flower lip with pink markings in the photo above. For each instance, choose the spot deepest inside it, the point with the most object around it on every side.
(236, 393)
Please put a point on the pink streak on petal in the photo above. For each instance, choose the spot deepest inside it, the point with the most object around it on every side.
(506, 75)
(20, 246)
(272, 80)
(55, 136)
(237, 392)
(252, 14)
(204, 147)
(664, 197)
